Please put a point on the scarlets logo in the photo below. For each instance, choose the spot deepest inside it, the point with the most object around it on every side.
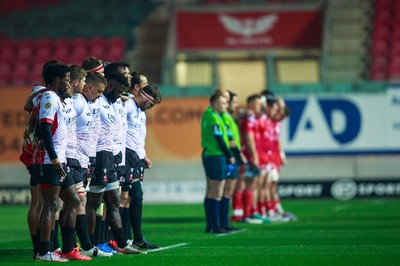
(248, 27)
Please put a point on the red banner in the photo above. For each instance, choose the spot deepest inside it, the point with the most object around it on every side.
(247, 30)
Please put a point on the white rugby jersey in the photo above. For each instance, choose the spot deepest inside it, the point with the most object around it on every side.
(121, 137)
(107, 126)
(83, 128)
(136, 128)
(94, 107)
(36, 99)
(51, 111)
(118, 135)
(70, 120)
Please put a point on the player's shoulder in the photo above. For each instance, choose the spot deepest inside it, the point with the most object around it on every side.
(77, 96)
(49, 94)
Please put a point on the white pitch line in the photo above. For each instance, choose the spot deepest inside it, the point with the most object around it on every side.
(233, 232)
(167, 247)
(341, 208)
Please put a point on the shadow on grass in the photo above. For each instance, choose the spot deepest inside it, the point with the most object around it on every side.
(16, 256)
(174, 220)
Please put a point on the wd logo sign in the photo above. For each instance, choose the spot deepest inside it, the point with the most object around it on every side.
(337, 119)
(347, 125)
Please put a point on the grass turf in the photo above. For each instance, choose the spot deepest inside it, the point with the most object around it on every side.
(328, 232)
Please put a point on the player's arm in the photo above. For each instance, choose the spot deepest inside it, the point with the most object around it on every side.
(218, 135)
(45, 130)
(282, 154)
(234, 148)
(251, 147)
(147, 162)
(28, 105)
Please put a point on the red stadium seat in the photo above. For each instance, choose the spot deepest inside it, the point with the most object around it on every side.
(5, 73)
(97, 47)
(80, 41)
(379, 61)
(395, 49)
(61, 49)
(381, 33)
(383, 20)
(378, 75)
(116, 49)
(20, 75)
(383, 4)
(35, 76)
(25, 49)
(394, 74)
(380, 47)
(7, 51)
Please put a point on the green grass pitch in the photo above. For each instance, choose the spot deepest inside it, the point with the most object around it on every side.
(328, 232)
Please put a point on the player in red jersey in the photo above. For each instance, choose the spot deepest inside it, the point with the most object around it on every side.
(250, 139)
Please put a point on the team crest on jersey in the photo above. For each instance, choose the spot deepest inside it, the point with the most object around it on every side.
(47, 105)
(131, 175)
(105, 175)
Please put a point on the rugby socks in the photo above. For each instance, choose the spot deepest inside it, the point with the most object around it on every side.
(35, 243)
(215, 213)
(54, 236)
(44, 247)
(82, 231)
(237, 205)
(247, 203)
(208, 214)
(97, 231)
(119, 237)
(102, 235)
(278, 207)
(106, 232)
(124, 212)
(93, 239)
(135, 216)
(67, 234)
(224, 212)
(262, 209)
(270, 208)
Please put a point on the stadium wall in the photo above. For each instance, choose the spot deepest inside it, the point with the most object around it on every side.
(349, 138)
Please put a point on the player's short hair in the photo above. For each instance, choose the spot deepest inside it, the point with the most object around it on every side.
(90, 64)
(118, 77)
(96, 79)
(153, 91)
(136, 77)
(269, 97)
(52, 72)
(115, 67)
(77, 72)
(49, 63)
(252, 98)
(231, 96)
(223, 92)
(214, 98)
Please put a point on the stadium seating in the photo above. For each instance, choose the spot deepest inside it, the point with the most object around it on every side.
(21, 61)
(385, 41)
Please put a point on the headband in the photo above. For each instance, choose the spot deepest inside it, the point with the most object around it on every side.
(97, 69)
(148, 97)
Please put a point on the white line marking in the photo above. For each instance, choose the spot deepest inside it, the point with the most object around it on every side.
(234, 232)
(341, 208)
(168, 247)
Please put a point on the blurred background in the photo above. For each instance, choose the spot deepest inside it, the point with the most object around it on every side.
(336, 64)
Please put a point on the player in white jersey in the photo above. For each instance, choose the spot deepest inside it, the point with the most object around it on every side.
(53, 180)
(26, 157)
(105, 182)
(75, 156)
(136, 159)
(138, 82)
